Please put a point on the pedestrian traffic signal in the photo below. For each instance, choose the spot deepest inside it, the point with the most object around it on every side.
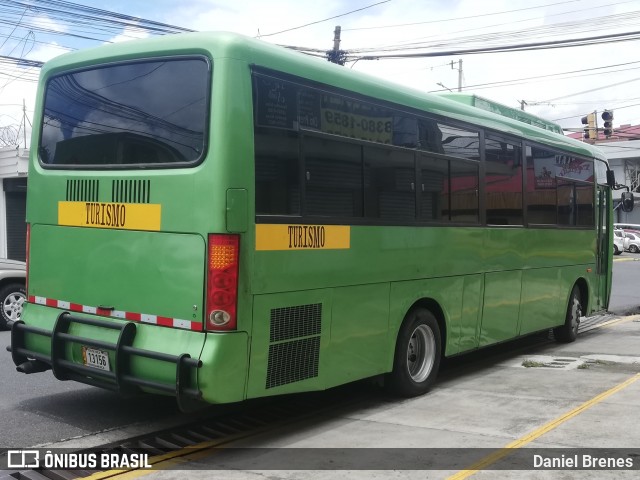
(607, 116)
(590, 131)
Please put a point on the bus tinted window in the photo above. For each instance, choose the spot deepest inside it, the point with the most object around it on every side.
(434, 188)
(465, 206)
(448, 190)
(389, 176)
(277, 173)
(541, 186)
(333, 178)
(575, 204)
(560, 188)
(146, 113)
(459, 143)
(503, 182)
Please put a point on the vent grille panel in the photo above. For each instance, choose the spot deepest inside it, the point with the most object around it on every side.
(291, 362)
(294, 344)
(131, 191)
(82, 191)
(295, 322)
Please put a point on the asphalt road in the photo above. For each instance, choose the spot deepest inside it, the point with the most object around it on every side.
(37, 409)
(625, 291)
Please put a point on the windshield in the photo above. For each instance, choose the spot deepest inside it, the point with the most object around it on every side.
(137, 113)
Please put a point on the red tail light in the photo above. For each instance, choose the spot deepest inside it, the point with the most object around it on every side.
(222, 282)
(26, 282)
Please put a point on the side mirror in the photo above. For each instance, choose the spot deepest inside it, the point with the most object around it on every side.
(627, 201)
(611, 179)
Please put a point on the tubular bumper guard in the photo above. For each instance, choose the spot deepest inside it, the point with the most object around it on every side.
(119, 380)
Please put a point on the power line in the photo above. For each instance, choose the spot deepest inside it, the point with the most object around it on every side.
(517, 81)
(582, 114)
(21, 61)
(324, 20)
(593, 90)
(566, 43)
(14, 28)
(456, 18)
(76, 11)
(563, 28)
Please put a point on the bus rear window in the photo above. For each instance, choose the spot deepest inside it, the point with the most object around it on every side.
(121, 115)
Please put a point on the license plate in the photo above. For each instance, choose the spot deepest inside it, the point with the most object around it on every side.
(92, 357)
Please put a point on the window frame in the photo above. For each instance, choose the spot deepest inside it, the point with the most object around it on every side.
(483, 133)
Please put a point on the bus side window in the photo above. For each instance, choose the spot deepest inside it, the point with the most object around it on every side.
(389, 176)
(277, 173)
(333, 175)
(465, 206)
(433, 188)
(503, 182)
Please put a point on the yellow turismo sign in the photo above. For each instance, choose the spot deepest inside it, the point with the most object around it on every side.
(120, 216)
(302, 237)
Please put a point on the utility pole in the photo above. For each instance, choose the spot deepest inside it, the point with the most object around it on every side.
(336, 39)
(24, 122)
(459, 73)
(336, 55)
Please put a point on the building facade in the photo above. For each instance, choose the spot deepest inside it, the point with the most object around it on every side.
(14, 162)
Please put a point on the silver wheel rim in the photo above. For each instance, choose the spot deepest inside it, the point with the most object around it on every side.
(421, 353)
(12, 306)
(576, 313)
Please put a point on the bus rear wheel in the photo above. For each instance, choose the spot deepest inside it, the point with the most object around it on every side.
(569, 331)
(417, 355)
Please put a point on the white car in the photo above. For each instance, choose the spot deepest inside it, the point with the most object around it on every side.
(631, 242)
(13, 274)
(618, 242)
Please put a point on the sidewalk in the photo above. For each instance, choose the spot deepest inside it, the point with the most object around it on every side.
(580, 395)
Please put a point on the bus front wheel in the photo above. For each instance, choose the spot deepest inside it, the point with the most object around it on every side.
(417, 355)
(569, 331)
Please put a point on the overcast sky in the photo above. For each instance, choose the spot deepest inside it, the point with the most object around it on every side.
(393, 27)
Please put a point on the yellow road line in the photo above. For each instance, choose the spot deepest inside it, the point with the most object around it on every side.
(184, 455)
(171, 459)
(625, 259)
(522, 441)
(616, 321)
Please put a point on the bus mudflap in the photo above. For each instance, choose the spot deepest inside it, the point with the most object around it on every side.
(120, 380)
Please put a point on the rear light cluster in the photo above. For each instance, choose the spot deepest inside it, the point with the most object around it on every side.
(222, 284)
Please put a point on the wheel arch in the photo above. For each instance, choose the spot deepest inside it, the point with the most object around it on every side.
(7, 280)
(583, 288)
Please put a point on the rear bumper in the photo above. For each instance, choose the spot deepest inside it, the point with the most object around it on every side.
(142, 358)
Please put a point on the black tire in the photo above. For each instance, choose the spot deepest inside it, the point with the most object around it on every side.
(633, 249)
(417, 356)
(569, 331)
(615, 250)
(12, 298)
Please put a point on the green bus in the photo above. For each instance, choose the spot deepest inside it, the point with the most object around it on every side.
(216, 218)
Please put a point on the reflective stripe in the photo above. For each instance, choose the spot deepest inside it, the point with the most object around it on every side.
(131, 316)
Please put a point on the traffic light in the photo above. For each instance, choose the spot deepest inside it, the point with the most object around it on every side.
(607, 116)
(590, 131)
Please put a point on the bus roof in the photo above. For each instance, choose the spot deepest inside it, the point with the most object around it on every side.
(504, 110)
(219, 45)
